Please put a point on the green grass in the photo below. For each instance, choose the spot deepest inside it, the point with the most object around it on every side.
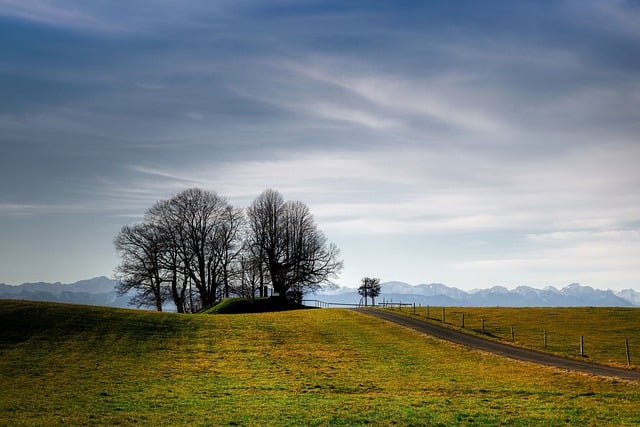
(97, 366)
(604, 329)
(256, 305)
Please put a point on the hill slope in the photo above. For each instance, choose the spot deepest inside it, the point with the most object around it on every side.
(92, 365)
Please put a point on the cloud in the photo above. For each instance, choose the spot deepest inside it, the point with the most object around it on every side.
(582, 236)
(489, 122)
(354, 116)
(422, 190)
(15, 209)
(607, 257)
(66, 14)
(168, 176)
(399, 96)
(617, 17)
(135, 16)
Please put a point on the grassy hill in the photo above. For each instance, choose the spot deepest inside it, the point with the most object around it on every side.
(256, 305)
(89, 365)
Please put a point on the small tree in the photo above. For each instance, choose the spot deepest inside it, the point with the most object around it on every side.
(370, 288)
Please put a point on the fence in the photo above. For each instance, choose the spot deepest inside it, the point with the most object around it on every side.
(391, 304)
(384, 304)
(608, 334)
(323, 304)
(533, 333)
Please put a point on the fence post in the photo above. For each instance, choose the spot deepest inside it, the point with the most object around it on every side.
(482, 321)
(581, 345)
(444, 318)
(626, 346)
(512, 336)
(428, 312)
(545, 338)
(414, 308)
(463, 320)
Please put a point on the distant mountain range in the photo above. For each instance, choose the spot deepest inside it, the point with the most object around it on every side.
(437, 294)
(96, 291)
(101, 291)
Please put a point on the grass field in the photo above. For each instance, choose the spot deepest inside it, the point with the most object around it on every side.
(65, 364)
(604, 329)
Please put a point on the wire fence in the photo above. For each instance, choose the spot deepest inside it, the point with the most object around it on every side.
(323, 304)
(550, 336)
(605, 335)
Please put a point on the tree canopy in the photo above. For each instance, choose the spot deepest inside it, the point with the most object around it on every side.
(196, 248)
(370, 288)
(296, 254)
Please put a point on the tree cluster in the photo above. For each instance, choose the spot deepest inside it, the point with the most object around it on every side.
(370, 288)
(196, 248)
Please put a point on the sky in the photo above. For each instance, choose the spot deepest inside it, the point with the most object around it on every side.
(467, 143)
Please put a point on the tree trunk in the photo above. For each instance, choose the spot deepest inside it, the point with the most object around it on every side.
(262, 293)
(158, 300)
(178, 299)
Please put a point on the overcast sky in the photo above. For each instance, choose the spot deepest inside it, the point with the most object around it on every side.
(467, 143)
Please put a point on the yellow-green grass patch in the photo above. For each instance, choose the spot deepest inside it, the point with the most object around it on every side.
(89, 365)
(604, 329)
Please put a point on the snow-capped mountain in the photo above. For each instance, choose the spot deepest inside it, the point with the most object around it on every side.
(630, 295)
(101, 291)
(438, 294)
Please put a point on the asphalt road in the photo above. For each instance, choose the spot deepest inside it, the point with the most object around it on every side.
(503, 349)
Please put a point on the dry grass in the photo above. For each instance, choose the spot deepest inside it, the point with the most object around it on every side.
(86, 366)
(604, 329)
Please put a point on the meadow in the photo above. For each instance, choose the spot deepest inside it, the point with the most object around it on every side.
(78, 365)
(556, 330)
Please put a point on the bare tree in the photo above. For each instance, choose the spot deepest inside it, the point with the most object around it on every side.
(248, 284)
(175, 253)
(297, 256)
(371, 288)
(196, 241)
(141, 247)
(254, 275)
(226, 247)
(198, 213)
(204, 230)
